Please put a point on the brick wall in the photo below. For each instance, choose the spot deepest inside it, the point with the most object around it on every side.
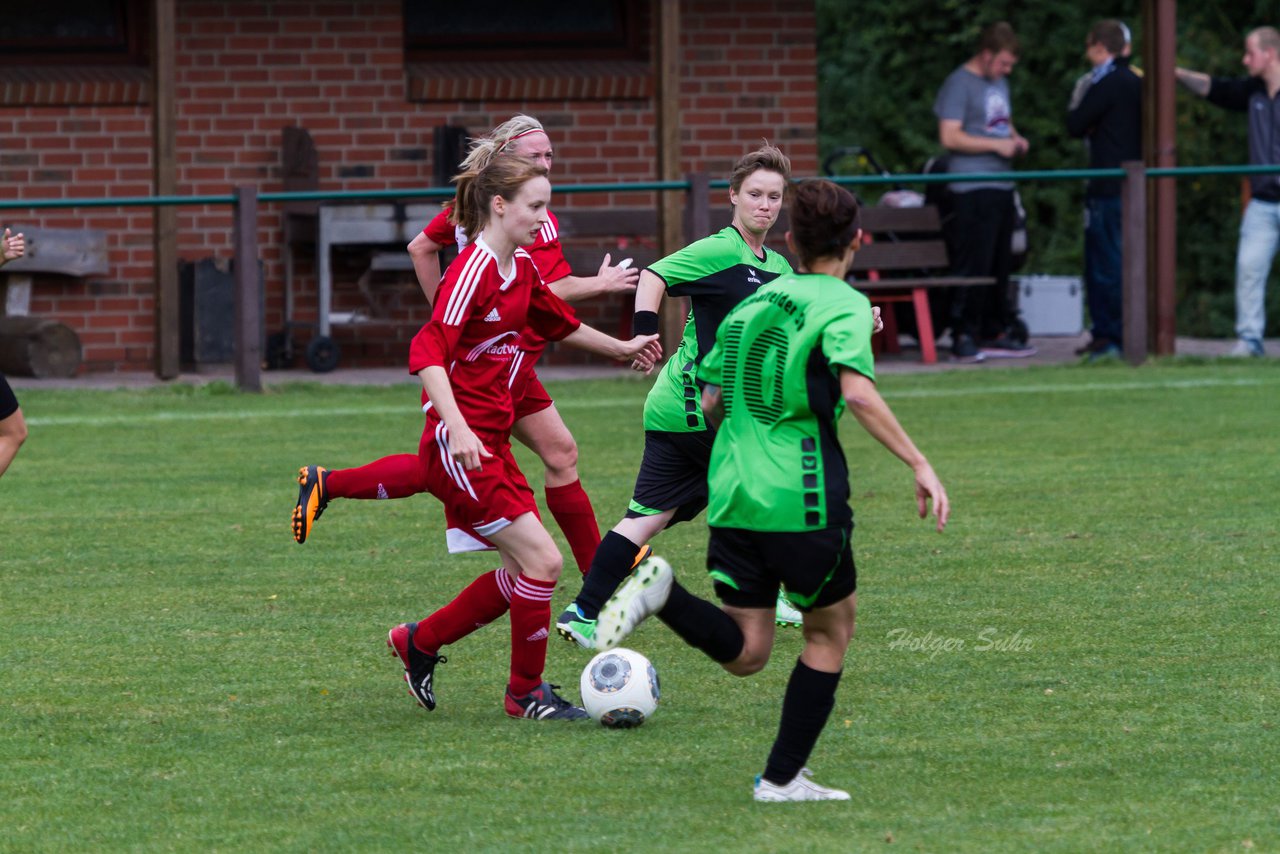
(245, 70)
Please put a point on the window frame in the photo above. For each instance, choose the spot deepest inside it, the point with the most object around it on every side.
(131, 48)
(628, 42)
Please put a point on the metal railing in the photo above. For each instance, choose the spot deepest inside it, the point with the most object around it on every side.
(245, 200)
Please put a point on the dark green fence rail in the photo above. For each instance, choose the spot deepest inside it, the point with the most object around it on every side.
(244, 201)
(640, 186)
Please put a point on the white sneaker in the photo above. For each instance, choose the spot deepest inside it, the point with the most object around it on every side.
(802, 788)
(1247, 348)
(641, 596)
(787, 615)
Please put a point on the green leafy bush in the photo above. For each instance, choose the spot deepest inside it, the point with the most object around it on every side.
(879, 73)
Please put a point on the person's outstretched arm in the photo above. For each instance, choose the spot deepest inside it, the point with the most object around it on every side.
(609, 279)
(1197, 81)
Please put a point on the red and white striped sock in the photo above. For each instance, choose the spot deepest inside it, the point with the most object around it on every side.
(480, 603)
(530, 628)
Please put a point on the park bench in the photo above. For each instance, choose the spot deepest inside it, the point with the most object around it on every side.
(37, 346)
(904, 257)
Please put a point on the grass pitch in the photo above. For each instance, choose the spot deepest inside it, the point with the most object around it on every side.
(1085, 660)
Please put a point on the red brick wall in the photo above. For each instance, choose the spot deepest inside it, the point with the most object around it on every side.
(245, 70)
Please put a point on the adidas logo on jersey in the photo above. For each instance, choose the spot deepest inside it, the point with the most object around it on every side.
(493, 316)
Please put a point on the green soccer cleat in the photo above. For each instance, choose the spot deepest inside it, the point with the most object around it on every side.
(573, 626)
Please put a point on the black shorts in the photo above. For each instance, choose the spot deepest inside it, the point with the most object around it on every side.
(673, 475)
(815, 567)
(8, 401)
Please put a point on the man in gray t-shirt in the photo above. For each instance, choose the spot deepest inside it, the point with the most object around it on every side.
(975, 125)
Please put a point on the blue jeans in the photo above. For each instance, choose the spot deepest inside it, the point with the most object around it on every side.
(1103, 270)
(1259, 234)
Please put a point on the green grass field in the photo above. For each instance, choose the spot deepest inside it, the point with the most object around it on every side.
(1085, 660)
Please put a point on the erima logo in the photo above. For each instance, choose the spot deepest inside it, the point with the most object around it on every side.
(752, 277)
(540, 634)
(492, 316)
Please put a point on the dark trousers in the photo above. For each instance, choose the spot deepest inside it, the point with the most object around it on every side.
(981, 231)
(1102, 267)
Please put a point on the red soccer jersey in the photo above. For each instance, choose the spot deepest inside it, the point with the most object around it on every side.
(475, 331)
(547, 254)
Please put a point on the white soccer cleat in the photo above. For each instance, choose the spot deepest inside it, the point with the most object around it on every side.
(802, 788)
(642, 595)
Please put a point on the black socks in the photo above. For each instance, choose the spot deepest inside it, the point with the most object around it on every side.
(702, 625)
(810, 697)
(609, 568)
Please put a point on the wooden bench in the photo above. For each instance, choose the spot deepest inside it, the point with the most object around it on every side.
(62, 251)
(905, 258)
(35, 346)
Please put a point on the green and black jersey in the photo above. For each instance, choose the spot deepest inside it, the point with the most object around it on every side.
(716, 273)
(777, 463)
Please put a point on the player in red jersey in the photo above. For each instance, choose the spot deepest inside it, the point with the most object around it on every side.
(538, 423)
(467, 356)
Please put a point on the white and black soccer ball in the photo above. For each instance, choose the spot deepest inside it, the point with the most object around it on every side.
(620, 688)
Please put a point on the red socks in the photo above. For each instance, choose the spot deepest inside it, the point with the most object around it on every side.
(572, 510)
(530, 625)
(397, 476)
(480, 603)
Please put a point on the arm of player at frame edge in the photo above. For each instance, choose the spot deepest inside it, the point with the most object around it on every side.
(464, 445)
(13, 247)
(866, 404)
(425, 254)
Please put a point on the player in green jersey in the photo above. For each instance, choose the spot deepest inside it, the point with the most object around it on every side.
(786, 363)
(715, 273)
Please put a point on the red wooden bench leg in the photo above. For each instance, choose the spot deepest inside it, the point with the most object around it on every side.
(924, 325)
(890, 332)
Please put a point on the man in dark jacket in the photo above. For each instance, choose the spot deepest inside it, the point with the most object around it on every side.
(1260, 227)
(1109, 118)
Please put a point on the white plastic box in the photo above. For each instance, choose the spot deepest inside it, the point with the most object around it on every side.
(1051, 305)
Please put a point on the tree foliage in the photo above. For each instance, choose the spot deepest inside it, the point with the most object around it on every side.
(880, 68)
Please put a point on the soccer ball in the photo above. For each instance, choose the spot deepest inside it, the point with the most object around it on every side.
(620, 688)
